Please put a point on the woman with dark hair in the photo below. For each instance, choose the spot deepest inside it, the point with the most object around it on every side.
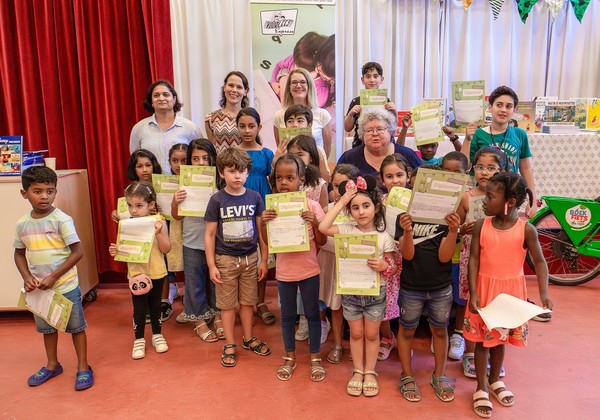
(164, 128)
(221, 127)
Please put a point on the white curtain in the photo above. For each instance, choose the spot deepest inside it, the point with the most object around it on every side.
(423, 46)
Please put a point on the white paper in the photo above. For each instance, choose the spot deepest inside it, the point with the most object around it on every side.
(287, 231)
(507, 311)
(468, 110)
(356, 274)
(431, 206)
(138, 229)
(196, 199)
(164, 201)
(39, 300)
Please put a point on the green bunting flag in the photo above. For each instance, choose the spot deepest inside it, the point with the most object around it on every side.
(496, 6)
(525, 7)
(579, 7)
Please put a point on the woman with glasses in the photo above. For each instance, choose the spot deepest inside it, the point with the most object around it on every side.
(300, 89)
(375, 128)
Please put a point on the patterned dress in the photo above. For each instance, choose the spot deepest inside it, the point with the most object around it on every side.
(500, 271)
(224, 129)
(392, 310)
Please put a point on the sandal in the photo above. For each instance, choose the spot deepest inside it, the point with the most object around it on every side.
(335, 354)
(405, 389)
(266, 315)
(257, 349)
(439, 389)
(386, 346)
(501, 395)
(85, 379)
(232, 356)
(317, 373)
(43, 375)
(219, 330)
(482, 399)
(206, 335)
(468, 362)
(355, 388)
(372, 385)
(286, 369)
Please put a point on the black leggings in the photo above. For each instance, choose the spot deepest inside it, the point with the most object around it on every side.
(148, 301)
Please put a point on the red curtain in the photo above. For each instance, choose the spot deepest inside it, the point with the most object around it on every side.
(73, 75)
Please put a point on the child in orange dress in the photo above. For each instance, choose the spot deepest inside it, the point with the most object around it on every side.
(498, 250)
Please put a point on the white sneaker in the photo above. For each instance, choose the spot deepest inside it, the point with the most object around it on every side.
(173, 292)
(457, 347)
(325, 328)
(159, 343)
(302, 332)
(139, 349)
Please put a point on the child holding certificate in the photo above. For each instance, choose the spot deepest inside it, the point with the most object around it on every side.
(326, 258)
(364, 313)
(46, 250)
(141, 200)
(298, 270)
(506, 235)
(233, 216)
(305, 147)
(394, 172)
(199, 297)
(426, 284)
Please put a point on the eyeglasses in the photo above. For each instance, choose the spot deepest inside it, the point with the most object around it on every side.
(378, 130)
(489, 169)
(298, 82)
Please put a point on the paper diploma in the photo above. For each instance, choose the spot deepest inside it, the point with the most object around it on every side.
(165, 187)
(476, 208)
(288, 232)
(397, 203)
(435, 194)
(135, 238)
(426, 123)
(373, 97)
(286, 134)
(354, 277)
(507, 311)
(53, 307)
(199, 183)
(468, 100)
(123, 209)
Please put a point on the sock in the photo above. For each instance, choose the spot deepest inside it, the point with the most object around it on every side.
(459, 332)
(164, 301)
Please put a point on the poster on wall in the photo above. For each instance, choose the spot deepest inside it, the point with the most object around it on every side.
(287, 35)
(11, 156)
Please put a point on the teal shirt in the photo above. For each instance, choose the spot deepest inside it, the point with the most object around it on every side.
(433, 161)
(515, 145)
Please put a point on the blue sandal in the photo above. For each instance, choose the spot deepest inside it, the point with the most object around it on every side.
(85, 379)
(43, 375)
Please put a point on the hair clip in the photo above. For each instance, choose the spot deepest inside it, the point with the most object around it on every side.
(368, 183)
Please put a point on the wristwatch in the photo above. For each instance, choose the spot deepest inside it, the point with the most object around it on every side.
(454, 139)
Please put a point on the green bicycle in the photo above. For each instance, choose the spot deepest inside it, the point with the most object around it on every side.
(569, 233)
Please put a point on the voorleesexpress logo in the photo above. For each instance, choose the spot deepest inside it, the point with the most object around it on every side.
(279, 22)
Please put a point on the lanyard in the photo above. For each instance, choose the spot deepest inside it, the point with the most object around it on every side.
(503, 138)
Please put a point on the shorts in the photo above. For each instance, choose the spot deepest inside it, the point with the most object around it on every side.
(76, 322)
(456, 286)
(240, 280)
(437, 304)
(371, 307)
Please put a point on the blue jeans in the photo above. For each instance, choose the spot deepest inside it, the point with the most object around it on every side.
(195, 299)
(76, 321)
(437, 304)
(309, 289)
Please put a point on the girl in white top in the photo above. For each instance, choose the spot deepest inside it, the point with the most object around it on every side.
(364, 313)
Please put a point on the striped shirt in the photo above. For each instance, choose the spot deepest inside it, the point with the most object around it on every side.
(47, 243)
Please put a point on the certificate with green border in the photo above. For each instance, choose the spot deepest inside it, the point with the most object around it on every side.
(123, 208)
(165, 186)
(353, 275)
(468, 103)
(435, 194)
(426, 123)
(286, 134)
(288, 232)
(397, 203)
(373, 97)
(52, 307)
(200, 183)
(476, 208)
(135, 238)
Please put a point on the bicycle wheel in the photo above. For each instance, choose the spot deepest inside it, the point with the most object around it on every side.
(566, 266)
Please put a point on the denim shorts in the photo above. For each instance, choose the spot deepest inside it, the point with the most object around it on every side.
(371, 307)
(456, 285)
(76, 321)
(437, 304)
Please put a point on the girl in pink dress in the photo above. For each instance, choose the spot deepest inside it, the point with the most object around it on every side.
(498, 249)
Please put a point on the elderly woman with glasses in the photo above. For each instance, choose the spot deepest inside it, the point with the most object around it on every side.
(375, 128)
